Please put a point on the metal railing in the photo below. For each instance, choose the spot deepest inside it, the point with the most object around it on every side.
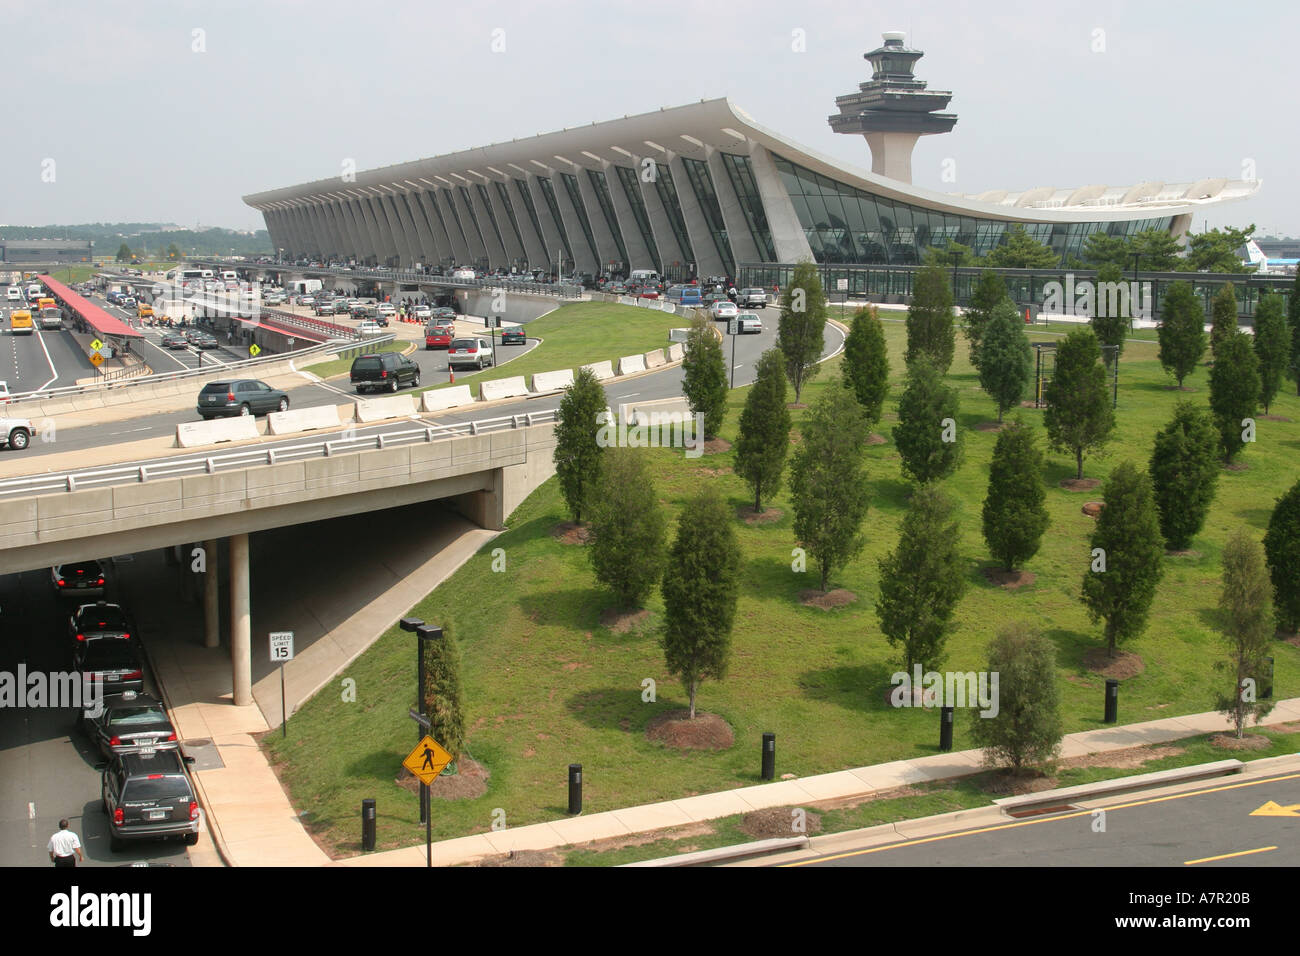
(254, 457)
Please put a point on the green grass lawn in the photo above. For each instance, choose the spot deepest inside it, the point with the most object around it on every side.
(545, 684)
(582, 333)
(341, 365)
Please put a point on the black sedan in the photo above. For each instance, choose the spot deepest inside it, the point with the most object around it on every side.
(245, 396)
(79, 580)
(108, 667)
(91, 622)
(513, 336)
(131, 723)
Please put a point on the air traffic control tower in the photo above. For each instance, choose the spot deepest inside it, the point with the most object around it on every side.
(893, 109)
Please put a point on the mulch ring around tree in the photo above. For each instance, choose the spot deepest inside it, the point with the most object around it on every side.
(1122, 666)
(469, 781)
(1273, 418)
(1292, 639)
(838, 597)
(1093, 508)
(676, 730)
(1183, 553)
(715, 446)
(1008, 580)
(1080, 484)
(525, 858)
(620, 622)
(1248, 741)
(874, 439)
(571, 532)
(1006, 783)
(1234, 466)
(989, 427)
(776, 822)
(747, 514)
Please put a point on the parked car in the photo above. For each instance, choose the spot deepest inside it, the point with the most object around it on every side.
(245, 396)
(438, 334)
(747, 322)
(131, 723)
(469, 352)
(383, 371)
(15, 433)
(78, 580)
(423, 312)
(513, 336)
(148, 796)
(174, 340)
(370, 327)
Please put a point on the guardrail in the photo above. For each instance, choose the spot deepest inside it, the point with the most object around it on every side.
(251, 457)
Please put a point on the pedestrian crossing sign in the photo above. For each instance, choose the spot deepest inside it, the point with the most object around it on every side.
(96, 345)
(427, 760)
(254, 350)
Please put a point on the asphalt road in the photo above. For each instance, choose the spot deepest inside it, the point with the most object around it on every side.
(48, 768)
(1212, 826)
(44, 359)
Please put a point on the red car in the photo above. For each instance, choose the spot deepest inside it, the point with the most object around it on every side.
(648, 292)
(438, 336)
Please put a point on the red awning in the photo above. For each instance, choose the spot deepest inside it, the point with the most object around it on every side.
(97, 318)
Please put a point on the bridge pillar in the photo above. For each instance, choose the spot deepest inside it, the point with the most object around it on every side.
(211, 610)
(241, 665)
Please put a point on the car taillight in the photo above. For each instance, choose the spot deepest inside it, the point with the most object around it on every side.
(118, 816)
(155, 776)
(230, 396)
(99, 581)
(115, 741)
(194, 810)
(126, 636)
(131, 674)
(62, 582)
(384, 373)
(81, 637)
(171, 737)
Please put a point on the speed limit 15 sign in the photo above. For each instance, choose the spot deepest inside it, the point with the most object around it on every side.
(281, 646)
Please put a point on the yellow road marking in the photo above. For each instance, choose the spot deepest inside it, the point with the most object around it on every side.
(1228, 856)
(1030, 823)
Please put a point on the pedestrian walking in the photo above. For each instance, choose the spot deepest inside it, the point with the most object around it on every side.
(64, 847)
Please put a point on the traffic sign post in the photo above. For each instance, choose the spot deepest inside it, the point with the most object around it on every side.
(282, 651)
(425, 762)
(733, 328)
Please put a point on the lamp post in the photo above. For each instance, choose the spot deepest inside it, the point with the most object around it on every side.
(415, 625)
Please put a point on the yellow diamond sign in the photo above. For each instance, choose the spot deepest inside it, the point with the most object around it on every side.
(96, 345)
(96, 359)
(427, 760)
(255, 350)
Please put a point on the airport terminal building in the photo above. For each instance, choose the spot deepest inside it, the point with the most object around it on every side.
(703, 190)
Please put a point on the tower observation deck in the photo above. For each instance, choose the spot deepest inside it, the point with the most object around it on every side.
(893, 109)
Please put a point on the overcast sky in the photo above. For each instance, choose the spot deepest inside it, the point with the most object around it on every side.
(171, 110)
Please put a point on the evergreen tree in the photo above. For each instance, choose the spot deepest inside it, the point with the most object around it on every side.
(930, 329)
(865, 368)
(1293, 320)
(1015, 510)
(1019, 250)
(922, 580)
(1156, 250)
(1272, 347)
(1282, 545)
(704, 375)
(1184, 473)
(764, 430)
(1122, 586)
(578, 451)
(124, 253)
(1113, 314)
(1006, 360)
(1223, 316)
(801, 332)
(1216, 250)
(828, 481)
(1101, 249)
(1181, 332)
(1079, 417)
(442, 695)
(1248, 628)
(700, 587)
(1234, 390)
(628, 529)
(926, 435)
(1026, 731)
(989, 291)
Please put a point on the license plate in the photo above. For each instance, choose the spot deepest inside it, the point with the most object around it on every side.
(157, 814)
(146, 750)
(212, 400)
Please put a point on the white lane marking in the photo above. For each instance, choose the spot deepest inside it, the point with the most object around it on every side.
(41, 338)
(31, 811)
(631, 395)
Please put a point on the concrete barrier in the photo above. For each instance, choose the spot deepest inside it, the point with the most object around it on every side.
(503, 388)
(676, 352)
(377, 409)
(196, 434)
(631, 363)
(552, 381)
(443, 398)
(655, 358)
(302, 420)
(678, 335)
(602, 370)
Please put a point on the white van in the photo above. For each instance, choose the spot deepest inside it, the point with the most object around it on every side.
(643, 275)
(230, 275)
(34, 292)
(15, 294)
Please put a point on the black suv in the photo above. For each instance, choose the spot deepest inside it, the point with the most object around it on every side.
(148, 796)
(384, 371)
(245, 396)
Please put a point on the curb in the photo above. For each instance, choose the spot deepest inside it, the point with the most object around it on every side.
(1217, 768)
(736, 852)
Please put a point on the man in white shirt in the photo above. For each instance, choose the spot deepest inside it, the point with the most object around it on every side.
(64, 847)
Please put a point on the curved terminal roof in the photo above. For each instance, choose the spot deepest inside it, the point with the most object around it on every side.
(718, 124)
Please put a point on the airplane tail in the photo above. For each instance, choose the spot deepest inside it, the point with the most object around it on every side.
(1256, 255)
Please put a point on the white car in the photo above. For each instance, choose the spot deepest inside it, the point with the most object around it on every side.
(469, 352)
(423, 312)
(463, 274)
(386, 308)
(724, 310)
(306, 300)
(748, 322)
(369, 327)
(15, 294)
(16, 432)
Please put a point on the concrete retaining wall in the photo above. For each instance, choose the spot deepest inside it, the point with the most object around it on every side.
(503, 388)
(377, 409)
(631, 363)
(443, 398)
(552, 381)
(197, 434)
(303, 420)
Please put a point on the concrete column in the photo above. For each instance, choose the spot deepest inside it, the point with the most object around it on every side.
(211, 612)
(241, 638)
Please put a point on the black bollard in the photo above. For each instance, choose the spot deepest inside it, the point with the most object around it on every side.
(1112, 700)
(769, 756)
(575, 788)
(945, 728)
(367, 825)
(1266, 680)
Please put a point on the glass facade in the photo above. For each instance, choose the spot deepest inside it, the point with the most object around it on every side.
(455, 216)
(548, 193)
(741, 172)
(845, 224)
(632, 190)
(697, 171)
(491, 213)
(527, 196)
(601, 187)
(473, 216)
(575, 197)
(667, 191)
(504, 195)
